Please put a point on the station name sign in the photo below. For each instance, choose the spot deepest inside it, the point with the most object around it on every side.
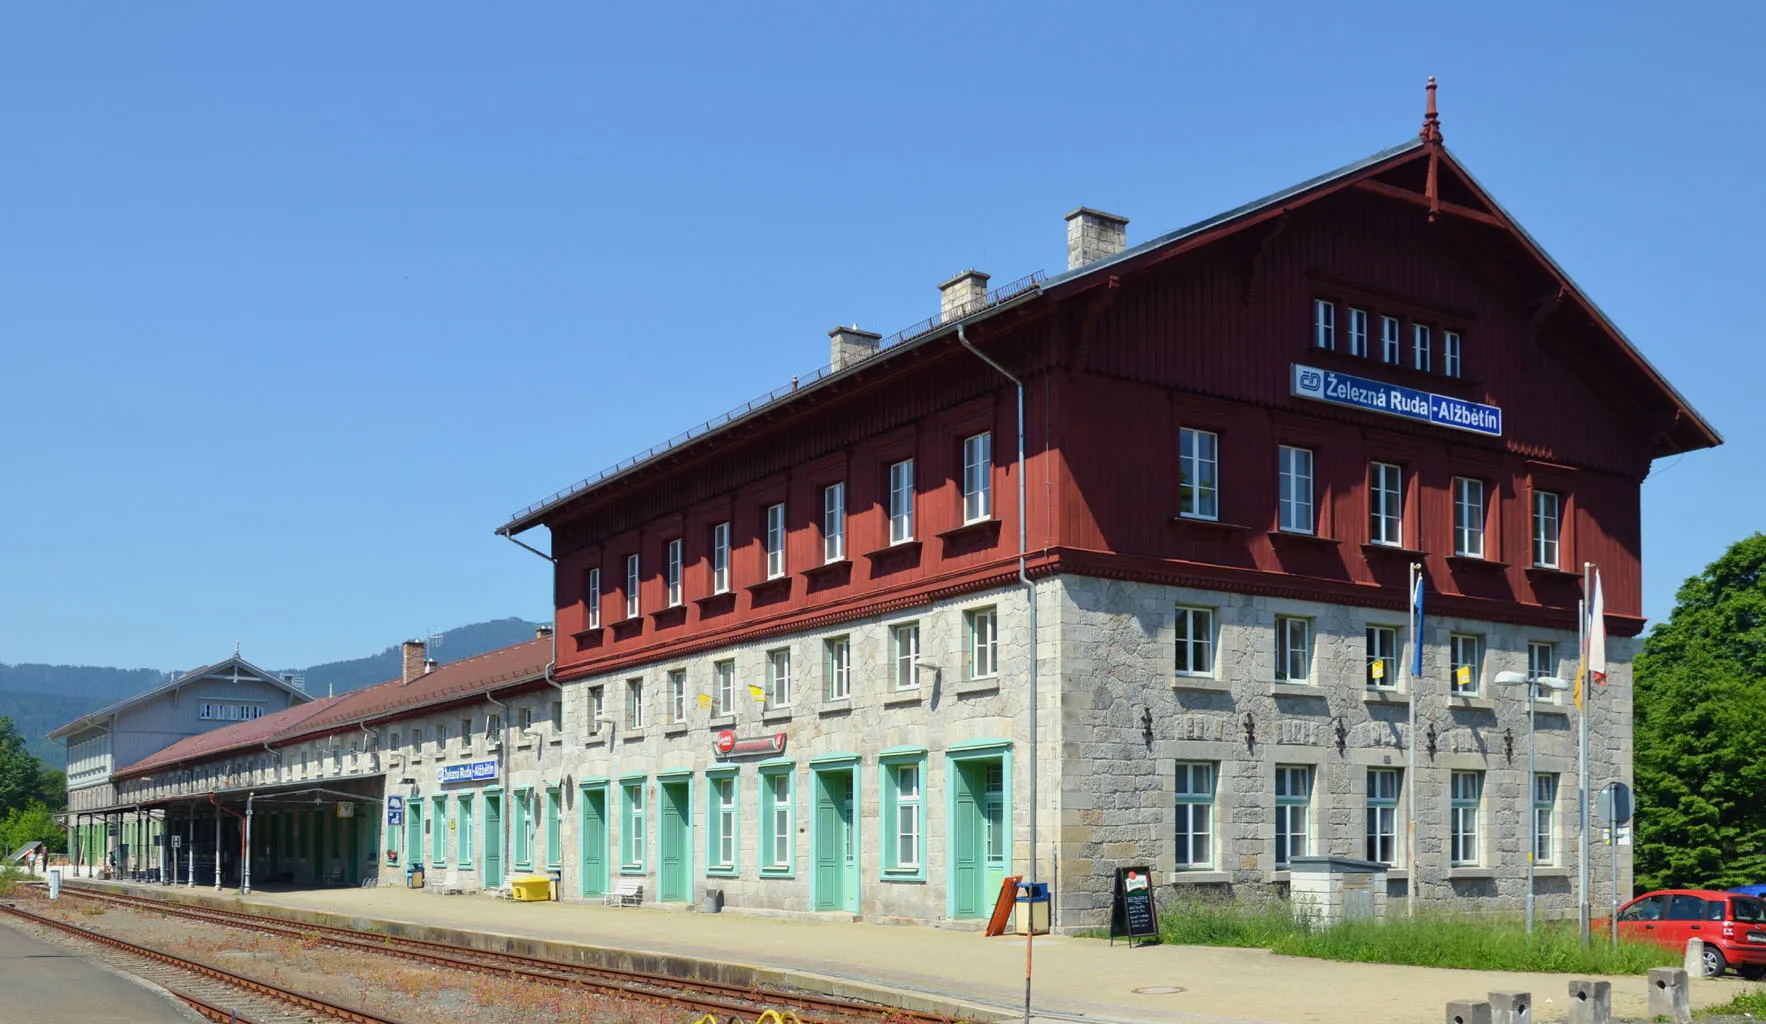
(471, 771)
(1392, 400)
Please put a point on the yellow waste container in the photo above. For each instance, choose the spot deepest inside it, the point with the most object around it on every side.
(531, 888)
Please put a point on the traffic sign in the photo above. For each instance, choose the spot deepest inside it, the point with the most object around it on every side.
(1612, 805)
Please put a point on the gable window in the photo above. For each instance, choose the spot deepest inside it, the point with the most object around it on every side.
(1391, 343)
(1467, 796)
(834, 523)
(1195, 641)
(723, 676)
(1467, 664)
(631, 586)
(837, 666)
(904, 650)
(720, 558)
(1382, 815)
(1358, 332)
(1546, 523)
(672, 568)
(1296, 490)
(1293, 812)
(1468, 517)
(984, 642)
(634, 703)
(1382, 658)
(1450, 353)
(1385, 504)
(1198, 469)
(1419, 334)
(677, 695)
(901, 501)
(1195, 815)
(775, 541)
(977, 477)
(778, 678)
(1324, 324)
(1293, 649)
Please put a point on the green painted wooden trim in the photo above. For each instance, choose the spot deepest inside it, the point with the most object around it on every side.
(634, 777)
(773, 764)
(676, 773)
(723, 769)
(599, 781)
(902, 752)
(971, 747)
(492, 790)
(833, 758)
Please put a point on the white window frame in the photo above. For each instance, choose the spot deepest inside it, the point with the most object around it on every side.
(1450, 364)
(1382, 649)
(1385, 787)
(982, 626)
(1465, 650)
(775, 540)
(1468, 517)
(1391, 341)
(778, 678)
(1358, 332)
(677, 695)
(1419, 347)
(780, 829)
(1324, 324)
(1542, 662)
(1547, 529)
(1466, 794)
(632, 581)
(1196, 782)
(633, 840)
(723, 853)
(1195, 641)
(720, 558)
(1385, 504)
(904, 656)
(901, 501)
(978, 477)
(1293, 649)
(837, 667)
(1198, 474)
(593, 597)
(723, 675)
(834, 523)
(597, 711)
(672, 567)
(1545, 797)
(634, 703)
(910, 806)
(1293, 812)
(1296, 505)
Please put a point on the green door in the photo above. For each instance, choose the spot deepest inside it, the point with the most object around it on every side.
(967, 843)
(594, 841)
(833, 846)
(993, 810)
(493, 841)
(673, 884)
(413, 831)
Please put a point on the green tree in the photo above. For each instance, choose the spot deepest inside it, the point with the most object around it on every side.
(52, 790)
(1701, 730)
(28, 824)
(21, 775)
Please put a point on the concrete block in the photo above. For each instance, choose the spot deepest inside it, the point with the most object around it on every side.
(1468, 1011)
(1695, 957)
(1670, 994)
(1591, 1002)
(1511, 1008)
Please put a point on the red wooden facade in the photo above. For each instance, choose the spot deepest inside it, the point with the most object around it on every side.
(1197, 330)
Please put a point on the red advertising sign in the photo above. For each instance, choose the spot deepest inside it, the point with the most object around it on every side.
(727, 745)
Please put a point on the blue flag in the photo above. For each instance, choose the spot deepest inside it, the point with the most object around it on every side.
(1416, 627)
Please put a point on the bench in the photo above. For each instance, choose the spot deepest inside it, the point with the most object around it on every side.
(625, 894)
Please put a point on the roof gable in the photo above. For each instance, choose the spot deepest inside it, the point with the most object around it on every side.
(232, 670)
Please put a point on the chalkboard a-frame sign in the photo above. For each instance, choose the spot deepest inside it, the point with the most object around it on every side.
(1131, 911)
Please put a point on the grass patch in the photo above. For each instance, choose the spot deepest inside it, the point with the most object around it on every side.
(1482, 942)
(10, 877)
(1750, 1004)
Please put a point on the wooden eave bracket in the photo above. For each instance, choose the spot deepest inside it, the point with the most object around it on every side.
(1417, 199)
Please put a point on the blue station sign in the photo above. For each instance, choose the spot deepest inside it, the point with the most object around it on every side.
(471, 771)
(1392, 400)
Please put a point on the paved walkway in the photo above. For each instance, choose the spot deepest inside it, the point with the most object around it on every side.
(1074, 978)
(44, 982)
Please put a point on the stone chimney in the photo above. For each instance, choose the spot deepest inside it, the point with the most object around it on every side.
(1093, 235)
(962, 295)
(416, 659)
(542, 632)
(849, 345)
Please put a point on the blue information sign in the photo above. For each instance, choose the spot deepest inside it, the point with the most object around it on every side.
(1392, 400)
(395, 810)
(471, 771)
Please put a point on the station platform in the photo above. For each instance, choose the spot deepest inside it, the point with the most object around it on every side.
(965, 973)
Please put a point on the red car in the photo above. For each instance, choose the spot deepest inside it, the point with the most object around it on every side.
(1733, 927)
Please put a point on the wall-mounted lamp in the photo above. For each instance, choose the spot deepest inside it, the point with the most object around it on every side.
(1250, 730)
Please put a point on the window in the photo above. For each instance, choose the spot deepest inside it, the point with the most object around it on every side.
(592, 595)
(837, 667)
(1450, 353)
(723, 676)
(1293, 812)
(978, 477)
(1324, 324)
(1546, 522)
(597, 707)
(1195, 815)
(775, 541)
(901, 501)
(904, 652)
(1385, 504)
(1195, 642)
(224, 712)
(631, 586)
(1545, 798)
(438, 830)
(417, 742)
(1199, 469)
(983, 627)
(778, 678)
(834, 523)
(1358, 332)
(523, 828)
(1382, 658)
(525, 718)
(1382, 815)
(1390, 345)
(720, 558)
(631, 831)
(1647, 909)
(1467, 664)
(441, 739)
(720, 850)
(1542, 661)
(672, 572)
(465, 733)
(557, 714)
(1293, 649)
(554, 842)
(1419, 334)
(1468, 792)
(463, 819)
(393, 741)
(1296, 493)
(776, 824)
(904, 804)
(1468, 517)
(634, 703)
(677, 695)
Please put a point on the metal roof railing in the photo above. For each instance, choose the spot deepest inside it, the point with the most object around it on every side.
(919, 328)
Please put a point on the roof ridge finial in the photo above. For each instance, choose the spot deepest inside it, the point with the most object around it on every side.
(1431, 132)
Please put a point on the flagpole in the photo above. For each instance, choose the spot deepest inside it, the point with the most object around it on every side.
(1584, 695)
(1410, 771)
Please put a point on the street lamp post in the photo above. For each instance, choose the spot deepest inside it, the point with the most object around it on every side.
(1533, 687)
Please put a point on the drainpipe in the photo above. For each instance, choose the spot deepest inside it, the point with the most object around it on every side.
(1024, 578)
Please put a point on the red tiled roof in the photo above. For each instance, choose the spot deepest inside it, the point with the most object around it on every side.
(254, 733)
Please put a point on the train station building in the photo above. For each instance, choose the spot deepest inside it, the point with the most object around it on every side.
(1101, 569)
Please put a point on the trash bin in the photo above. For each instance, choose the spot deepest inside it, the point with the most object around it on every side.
(530, 889)
(1032, 911)
(556, 877)
(714, 901)
(413, 876)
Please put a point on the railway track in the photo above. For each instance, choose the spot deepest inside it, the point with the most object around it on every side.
(698, 996)
(219, 995)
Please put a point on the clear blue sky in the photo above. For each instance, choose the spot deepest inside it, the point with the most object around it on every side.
(299, 303)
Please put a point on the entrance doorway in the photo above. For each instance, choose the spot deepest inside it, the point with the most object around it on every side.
(674, 881)
(493, 840)
(834, 885)
(980, 829)
(414, 831)
(594, 841)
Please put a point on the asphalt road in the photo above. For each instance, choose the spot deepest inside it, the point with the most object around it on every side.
(40, 982)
